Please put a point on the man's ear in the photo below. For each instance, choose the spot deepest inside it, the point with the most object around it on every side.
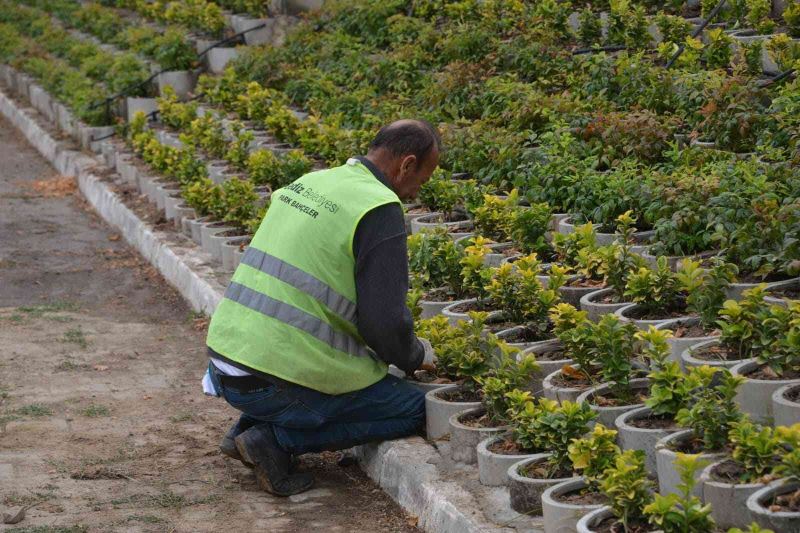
(407, 165)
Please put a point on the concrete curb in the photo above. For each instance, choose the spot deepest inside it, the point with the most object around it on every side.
(182, 267)
(405, 469)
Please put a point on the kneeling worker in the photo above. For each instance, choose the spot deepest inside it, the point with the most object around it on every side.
(316, 311)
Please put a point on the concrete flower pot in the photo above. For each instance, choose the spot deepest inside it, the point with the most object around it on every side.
(182, 211)
(181, 81)
(590, 521)
(734, 290)
(454, 317)
(526, 493)
(562, 517)
(508, 333)
(608, 415)
(127, 170)
(66, 120)
(668, 477)
(427, 387)
(493, 467)
(754, 396)
(673, 261)
(758, 503)
(678, 345)
(218, 240)
(574, 295)
(195, 227)
(555, 220)
(218, 58)
(91, 136)
(228, 249)
(171, 203)
(206, 232)
(408, 217)
(431, 308)
(464, 439)
(595, 309)
(775, 298)
(136, 105)
(439, 411)
(728, 500)
(165, 190)
(785, 412)
(434, 220)
(631, 437)
(557, 392)
(542, 353)
(625, 314)
(565, 226)
(688, 360)
(42, 102)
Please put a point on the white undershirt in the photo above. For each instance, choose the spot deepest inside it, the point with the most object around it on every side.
(225, 369)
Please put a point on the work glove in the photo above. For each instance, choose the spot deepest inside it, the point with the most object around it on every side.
(429, 360)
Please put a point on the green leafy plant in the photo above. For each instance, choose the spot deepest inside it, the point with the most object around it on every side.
(752, 528)
(434, 260)
(518, 292)
(529, 228)
(758, 12)
(495, 218)
(475, 275)
(717, 52)
(510, 375)
(789, 439)
(792, 17)
(614, 347)
(240, 202)
(778, 339)
(682, 512)
(739, 322)
(569, 246)
(174, 113)
(705, 287)
(238, 152)
(173, 51)
(526, 414)
(756, 448)
(655, 290)
(712, 411)
(559, 428)
(628, 488)
(594, 454)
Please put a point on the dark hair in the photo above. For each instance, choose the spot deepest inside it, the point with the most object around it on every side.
(408, 137)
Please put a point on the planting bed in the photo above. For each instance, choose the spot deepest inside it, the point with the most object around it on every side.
(589, 202)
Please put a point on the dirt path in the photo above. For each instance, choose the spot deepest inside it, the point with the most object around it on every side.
(103, 425)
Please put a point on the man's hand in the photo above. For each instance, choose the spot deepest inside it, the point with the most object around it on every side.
(429, 361)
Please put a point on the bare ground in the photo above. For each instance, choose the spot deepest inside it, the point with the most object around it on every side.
(103, 426)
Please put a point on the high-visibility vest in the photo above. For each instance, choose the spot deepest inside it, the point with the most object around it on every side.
(290, 309)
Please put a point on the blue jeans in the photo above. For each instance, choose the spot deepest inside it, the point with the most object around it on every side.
(307, 421)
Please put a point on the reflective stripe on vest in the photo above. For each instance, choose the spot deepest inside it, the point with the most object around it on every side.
(300, 280)
(295, 317)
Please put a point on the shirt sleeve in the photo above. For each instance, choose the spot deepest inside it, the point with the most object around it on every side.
(384, 321)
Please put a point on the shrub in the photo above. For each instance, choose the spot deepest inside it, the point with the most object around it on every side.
(655, 290)
(712, 411)
(510, 375)
(682, 512)
(592, 456)
(559, 428)
(434, 260)
(628, 488)
(517, 291)
(705, 287)
(756, 448)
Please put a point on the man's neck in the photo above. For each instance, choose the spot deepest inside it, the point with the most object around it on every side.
(373, 167)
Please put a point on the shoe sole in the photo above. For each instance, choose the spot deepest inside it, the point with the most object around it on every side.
(261, 476)
(233, 453)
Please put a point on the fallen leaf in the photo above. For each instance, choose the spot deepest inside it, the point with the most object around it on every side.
(114, 237)
(412, 521)
(145, 397)
(100, 368)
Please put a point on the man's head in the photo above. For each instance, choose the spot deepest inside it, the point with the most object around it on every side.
(407, 152)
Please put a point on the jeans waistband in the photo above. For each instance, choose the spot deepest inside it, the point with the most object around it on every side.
(241, 384)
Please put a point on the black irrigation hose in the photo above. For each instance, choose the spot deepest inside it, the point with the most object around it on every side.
(123, 92)
(696, 32)
(780, 77)
(597, 49)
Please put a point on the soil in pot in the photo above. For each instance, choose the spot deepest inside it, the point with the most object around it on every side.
(693, 331)
(610, 298)
(483, 305)
(638, 313)
(428, 377)
(609, 399)
(440, 294)
(582, 497)
(507, 446)
(543, 470)
(478, 420)
(785, 503)
(584, 283)
(665, 422)
(730, 471)
(459, 395)
(792, 293)
(766, 373)
(528, 333)
(793, 395)
(692, 445)
(418, 210)
(571, 378)
(612, 525)
(715, 352)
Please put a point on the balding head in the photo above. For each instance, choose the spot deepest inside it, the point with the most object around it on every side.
(407, 152)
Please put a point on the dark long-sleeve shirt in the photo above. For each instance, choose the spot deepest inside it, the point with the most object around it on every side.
(384, 321)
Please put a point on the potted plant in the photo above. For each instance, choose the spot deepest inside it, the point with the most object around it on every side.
(438, 332)
(444, 198)
(525, 303)
(618, 262)
(777, 361)
(591, 456)
(628, 491)
(475, 279)
(656, 295)
(529, 478)
(727, 484)
(775, 506)
(682, 511)
(434, 262)
(739, 326)
(705, 290)
(575, 332)
(465, 355)
(615, 351)
(709, 415)
(496, 454)
(786, 405)
(468, 428)
(670, 391)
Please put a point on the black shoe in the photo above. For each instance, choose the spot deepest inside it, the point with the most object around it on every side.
(228, 446)
(271, 464)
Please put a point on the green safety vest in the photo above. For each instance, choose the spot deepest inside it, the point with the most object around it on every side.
(290, 309)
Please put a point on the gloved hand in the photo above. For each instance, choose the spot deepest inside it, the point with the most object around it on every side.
(429, 361)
